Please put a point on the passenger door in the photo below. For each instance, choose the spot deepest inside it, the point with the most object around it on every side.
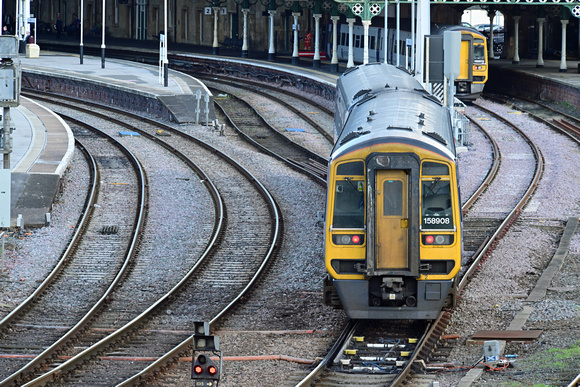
(392, 220)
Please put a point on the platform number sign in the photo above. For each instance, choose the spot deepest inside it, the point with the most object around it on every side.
(207, 10)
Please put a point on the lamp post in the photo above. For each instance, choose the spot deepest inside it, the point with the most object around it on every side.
(165, 41)
(103, 37)
(82, 30)
(246, 4)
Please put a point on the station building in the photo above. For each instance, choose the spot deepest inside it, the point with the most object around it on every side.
(545, 25)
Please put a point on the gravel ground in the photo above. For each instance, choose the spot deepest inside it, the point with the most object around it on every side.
(29, 257)
(290, 296)
(498, 291)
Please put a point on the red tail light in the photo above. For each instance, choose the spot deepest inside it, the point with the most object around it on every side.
(438, 240)
(348, 239)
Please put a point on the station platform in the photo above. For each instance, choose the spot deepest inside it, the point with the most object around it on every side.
(545, 83)
(42, 147)
(550, 69)
(43, 144)
(117, 79)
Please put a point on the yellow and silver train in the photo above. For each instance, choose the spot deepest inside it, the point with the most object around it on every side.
(393, 217)
(474, 63)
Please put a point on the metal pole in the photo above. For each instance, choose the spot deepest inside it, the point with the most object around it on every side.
(165, 64)
(82, 28)
(17, 19)
(2, 257)
(386, 29)
(103, 37)
(413, 35)
(6, 118)
(398, 31)
(25, 18)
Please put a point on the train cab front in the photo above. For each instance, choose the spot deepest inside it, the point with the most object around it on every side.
(391, 245)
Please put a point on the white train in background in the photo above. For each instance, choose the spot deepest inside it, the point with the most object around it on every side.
(376, 44)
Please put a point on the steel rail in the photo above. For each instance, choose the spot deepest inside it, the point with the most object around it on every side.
(238, 85)
(569, 128)
(343, 338)
(515, 213)
(491, 173)
(265, 86)
(80, 229)
(275, 243)
(218, 227)
(129, 254)
(187, 343)
(314, 176)
(317, 178)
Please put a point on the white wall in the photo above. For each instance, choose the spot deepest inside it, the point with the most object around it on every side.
(479, 16)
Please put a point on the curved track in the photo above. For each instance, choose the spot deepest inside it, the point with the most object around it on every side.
(228, 271)
(256, 129)
(302, 106)
(100, 260)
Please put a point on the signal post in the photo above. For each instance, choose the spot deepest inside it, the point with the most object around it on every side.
(204, 371)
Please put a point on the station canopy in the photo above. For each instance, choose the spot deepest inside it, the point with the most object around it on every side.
(366, 9)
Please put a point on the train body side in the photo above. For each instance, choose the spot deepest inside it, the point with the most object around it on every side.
(393, 219)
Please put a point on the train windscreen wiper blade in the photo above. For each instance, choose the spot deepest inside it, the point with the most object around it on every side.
(432, 188)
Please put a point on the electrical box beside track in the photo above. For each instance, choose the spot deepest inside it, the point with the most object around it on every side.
(491, 352)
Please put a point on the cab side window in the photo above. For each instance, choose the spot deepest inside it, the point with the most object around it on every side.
(349, 193)
(436, 202)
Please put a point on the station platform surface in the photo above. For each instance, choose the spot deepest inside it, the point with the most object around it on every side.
(178, 96)
(550, 70)
(42, 147)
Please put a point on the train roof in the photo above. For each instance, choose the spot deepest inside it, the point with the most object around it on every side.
(358, 81)
(404, 115)
(458, 28)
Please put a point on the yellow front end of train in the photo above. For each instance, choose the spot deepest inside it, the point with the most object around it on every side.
(474, 65)
(393, 230)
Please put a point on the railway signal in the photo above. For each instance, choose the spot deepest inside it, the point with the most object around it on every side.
(204, 371)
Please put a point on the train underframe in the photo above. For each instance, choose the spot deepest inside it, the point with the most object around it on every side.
(392, 297)
(468, 91)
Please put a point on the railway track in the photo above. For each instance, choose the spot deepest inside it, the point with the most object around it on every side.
(96, 261)
(314, 114)
(520, 199)
(231, 278)
(468, 226)
(556, 119)
(254, 128)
